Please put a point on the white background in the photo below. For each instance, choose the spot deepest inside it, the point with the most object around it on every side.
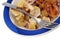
(7, 34)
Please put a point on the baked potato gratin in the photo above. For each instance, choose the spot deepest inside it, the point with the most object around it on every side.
(42, 9)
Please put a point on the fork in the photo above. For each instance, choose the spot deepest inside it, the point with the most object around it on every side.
(41, 23)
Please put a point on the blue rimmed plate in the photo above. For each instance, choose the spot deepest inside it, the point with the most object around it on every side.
(19, 30)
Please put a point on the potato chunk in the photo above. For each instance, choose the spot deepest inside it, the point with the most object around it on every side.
(32, 24)
(46, 19)
(21, 3)
(35, 12)
(14, 12)
(44, 13)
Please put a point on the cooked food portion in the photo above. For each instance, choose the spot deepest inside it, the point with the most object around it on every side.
(35, 12)
(48, 8)
(42, 9)
(32, 24)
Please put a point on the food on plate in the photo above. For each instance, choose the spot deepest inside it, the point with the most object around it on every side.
(46, 19)
(44, 9)
(35, 12)
(32, 24)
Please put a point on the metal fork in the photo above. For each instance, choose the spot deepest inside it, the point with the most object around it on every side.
(41, 23)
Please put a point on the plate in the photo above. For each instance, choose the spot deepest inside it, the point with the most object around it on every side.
(22, 31)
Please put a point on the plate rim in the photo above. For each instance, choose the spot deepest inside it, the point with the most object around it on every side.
(18, 30)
